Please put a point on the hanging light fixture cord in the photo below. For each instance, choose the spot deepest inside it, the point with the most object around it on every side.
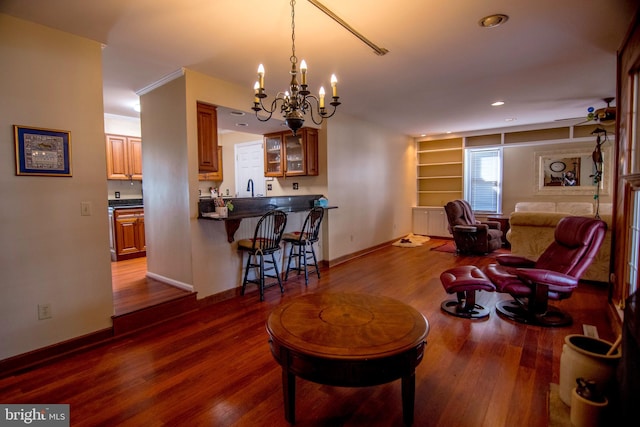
(294, 103)
(598, 162)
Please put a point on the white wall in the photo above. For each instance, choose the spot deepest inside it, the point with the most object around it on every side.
(49, 253)
(372, 178)
(167, 198)
(519, 175)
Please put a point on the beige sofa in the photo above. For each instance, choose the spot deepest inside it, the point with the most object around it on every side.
(533, 224)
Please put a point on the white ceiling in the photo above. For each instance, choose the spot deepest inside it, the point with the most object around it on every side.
(551, 61)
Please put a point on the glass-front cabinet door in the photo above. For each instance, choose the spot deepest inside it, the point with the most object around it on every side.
(288, 155)
(294, 150)
(273, 159)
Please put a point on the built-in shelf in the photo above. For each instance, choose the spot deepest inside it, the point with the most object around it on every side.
(440, 161)
(439, 171)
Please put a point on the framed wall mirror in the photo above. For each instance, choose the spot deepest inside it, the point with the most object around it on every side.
(571, 172)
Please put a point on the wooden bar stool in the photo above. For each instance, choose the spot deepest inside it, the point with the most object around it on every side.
(266, 241)
(302, 245)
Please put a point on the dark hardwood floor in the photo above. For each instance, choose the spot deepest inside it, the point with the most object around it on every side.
(213, 367)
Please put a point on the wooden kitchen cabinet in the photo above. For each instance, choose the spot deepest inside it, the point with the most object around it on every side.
(208, 160)
(288, 155)
(124, 157)
(128, 234)
(213, 176)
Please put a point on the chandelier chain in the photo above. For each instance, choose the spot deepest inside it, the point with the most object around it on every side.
(293, 58)
(296, 102)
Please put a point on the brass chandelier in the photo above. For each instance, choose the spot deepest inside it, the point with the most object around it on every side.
(295, 102)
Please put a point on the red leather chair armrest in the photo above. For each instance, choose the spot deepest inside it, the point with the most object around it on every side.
(553, 280)
(515, 261)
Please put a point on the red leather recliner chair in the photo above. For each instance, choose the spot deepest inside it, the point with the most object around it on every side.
(553, 276)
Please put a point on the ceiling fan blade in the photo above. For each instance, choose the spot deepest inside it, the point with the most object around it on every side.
(569, 119)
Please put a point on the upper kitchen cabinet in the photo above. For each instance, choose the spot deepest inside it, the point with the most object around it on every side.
(213, 176)
(208, 160)
(124, 157)
(288, 155)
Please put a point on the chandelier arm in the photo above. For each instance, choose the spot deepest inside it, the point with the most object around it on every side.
(265, 119)
(308, 106)
(260, 107)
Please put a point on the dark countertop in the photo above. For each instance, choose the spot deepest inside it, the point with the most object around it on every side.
(248, 207)
(116, 208)
(125, 203)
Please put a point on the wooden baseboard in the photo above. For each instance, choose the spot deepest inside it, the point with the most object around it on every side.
(220, 296)
(348, 257)
(32, 359)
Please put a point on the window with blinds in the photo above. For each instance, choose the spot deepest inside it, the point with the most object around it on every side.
(483, 180)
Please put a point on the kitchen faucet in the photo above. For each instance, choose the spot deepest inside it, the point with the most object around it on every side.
(250, 186)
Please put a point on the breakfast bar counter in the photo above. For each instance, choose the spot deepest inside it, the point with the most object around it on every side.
(250, 207)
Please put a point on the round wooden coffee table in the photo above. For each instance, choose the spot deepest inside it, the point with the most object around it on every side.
(347, 340)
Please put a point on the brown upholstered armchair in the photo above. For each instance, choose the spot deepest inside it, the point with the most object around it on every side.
(469, 234)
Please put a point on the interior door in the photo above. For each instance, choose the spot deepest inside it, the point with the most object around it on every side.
(250, 166)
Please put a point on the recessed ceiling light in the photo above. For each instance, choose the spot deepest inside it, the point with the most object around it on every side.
(492, 21)
(497, 103)
(242, 125)
(237, 113)
(136, 107)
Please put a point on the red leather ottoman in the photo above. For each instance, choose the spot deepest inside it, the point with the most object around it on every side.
(464, 281)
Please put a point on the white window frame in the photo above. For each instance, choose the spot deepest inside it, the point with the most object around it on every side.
(469, 178)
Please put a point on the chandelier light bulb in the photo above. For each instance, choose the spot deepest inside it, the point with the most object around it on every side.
(303, 72)
(334, 85)
(256, 88)
(321, 93)
(261, 76)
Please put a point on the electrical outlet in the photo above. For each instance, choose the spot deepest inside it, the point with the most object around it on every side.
(295, 185)
(85, 208)
(590, 331)
(269, 187)
(44, 311)
(117, 194)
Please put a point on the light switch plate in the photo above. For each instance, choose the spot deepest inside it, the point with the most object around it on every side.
(85, 208)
